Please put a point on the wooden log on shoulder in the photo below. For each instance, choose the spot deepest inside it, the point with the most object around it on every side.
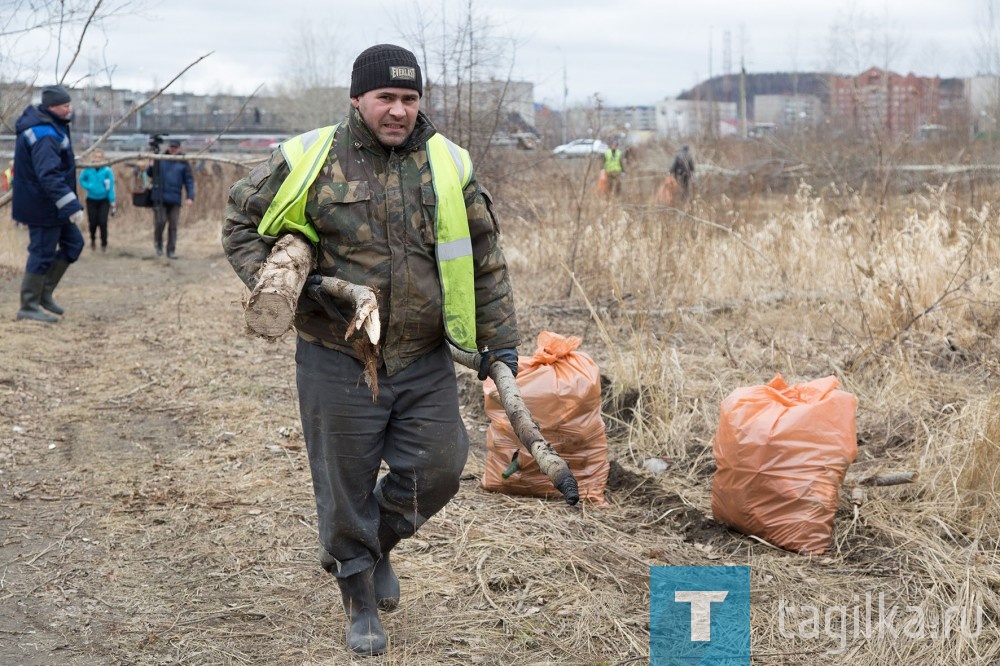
(270, 310)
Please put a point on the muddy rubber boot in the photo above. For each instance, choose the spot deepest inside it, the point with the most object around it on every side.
(52, 278)
(31, 293)
(386, 582)
(365, 635)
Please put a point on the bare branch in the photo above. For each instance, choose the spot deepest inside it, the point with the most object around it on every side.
(134, 110)
(79, 42)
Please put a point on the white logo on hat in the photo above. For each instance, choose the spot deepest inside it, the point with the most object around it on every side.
(403, 73)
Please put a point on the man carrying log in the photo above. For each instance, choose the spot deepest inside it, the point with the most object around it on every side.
(390, 204)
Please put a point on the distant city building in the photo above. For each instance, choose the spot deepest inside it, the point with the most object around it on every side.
(788, 112)
(633, 118)
(678, 118)
(505, 111)
(881, 101)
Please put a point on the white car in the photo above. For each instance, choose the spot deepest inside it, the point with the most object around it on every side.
(580, 148)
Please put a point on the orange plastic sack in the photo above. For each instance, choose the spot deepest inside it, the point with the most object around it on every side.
(603, 186)
(781, 453)
(665, 194)
(561, 388)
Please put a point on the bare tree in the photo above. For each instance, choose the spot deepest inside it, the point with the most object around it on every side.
(859, 40)
(467, 64)
(314, 94)
(32, 29)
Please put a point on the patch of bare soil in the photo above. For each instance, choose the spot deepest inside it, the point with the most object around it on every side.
(156, 507)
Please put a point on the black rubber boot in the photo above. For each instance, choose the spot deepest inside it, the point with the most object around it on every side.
(56, 271)
(386, 582)
(31, 293)
(365, 635)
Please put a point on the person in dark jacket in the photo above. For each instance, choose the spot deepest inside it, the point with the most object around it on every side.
(45, 200)
(683, 169)
(397, 207)
(171, 180)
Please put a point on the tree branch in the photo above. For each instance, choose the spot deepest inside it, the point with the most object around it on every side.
(138, 108)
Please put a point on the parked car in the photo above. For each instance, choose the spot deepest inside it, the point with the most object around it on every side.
(580, 148)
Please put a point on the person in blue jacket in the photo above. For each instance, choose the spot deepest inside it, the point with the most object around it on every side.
(45, 200)
(171, 180)
(99, 182)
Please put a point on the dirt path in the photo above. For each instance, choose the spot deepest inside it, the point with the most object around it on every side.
(155, 504)
(98, 414)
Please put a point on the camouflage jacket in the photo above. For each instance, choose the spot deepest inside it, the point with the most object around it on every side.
(374, 209)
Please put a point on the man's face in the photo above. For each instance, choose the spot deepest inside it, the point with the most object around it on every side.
(173, 150)
(391, 113)
(62, 110)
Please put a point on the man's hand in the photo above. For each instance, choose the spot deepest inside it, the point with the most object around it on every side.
(77, 217)
(114, 209)
(188, 202)
(507, 356)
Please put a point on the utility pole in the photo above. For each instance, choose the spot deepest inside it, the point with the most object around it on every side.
(711, 95)
(743, 99)
(90, 102)
(565, 120)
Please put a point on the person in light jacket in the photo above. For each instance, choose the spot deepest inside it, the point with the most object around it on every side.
(99, 183)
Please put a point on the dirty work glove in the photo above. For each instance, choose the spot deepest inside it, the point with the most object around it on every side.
(77, 217)
(508, 356)
(114, 209)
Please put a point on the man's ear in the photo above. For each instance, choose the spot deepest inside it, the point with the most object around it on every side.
(355, 102)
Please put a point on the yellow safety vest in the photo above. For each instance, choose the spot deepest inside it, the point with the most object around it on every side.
(613, 161)
(451, 171)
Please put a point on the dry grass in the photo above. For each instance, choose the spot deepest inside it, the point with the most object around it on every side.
(178, 456)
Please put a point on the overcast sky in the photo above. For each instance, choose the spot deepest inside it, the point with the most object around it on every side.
(627, 51)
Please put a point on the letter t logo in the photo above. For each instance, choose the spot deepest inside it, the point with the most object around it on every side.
(701, 610)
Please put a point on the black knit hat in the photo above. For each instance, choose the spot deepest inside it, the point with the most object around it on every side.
(385, 66)
(54, 96)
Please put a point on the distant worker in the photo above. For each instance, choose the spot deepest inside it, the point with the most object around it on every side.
(682, 169)
(99, 182)
(171, 180)
(45, 200)
(614, 167)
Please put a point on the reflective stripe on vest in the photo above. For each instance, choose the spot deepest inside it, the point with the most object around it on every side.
(451, 171)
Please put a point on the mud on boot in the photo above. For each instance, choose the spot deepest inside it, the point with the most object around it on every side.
(386, 582)
(365, 635)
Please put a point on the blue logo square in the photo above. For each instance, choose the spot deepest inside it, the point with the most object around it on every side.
(699, 615)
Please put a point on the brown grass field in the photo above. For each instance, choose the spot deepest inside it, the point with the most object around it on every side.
(155, 503)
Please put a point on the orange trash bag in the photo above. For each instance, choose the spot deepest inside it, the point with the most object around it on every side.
(603, 186)
(781, 453)
(665, 194)
(561, 387)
